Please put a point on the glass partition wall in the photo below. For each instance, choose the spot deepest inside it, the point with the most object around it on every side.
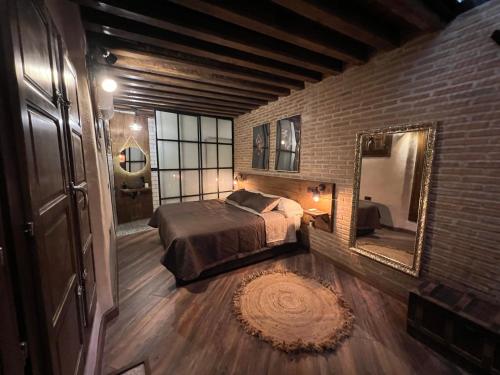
(195, 157)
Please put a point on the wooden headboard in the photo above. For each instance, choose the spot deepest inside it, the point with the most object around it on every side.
(291, 188)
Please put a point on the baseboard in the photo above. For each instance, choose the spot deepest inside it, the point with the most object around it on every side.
(107, 317)
(365, 278)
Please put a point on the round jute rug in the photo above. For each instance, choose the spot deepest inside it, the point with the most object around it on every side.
(293, 312)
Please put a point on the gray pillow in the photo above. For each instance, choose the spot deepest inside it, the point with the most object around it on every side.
(260, 203)
(239, 196)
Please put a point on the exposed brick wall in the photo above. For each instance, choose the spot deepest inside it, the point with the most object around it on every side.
(452, 76)
(154, 160)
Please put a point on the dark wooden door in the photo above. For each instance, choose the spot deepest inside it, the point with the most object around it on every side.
(11, 354)
(50, 216)
(79, 187)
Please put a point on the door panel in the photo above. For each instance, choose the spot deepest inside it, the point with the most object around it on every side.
(67, 346)
(36, 50)
(55, 255)
(46, 150)
(78, 161)
(53, 227)
(89, 279)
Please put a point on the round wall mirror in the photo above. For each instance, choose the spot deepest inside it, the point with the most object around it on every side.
(132, 159)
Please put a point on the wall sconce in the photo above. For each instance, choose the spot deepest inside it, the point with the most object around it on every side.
(238, 177)
(121, 157)
(316, 191)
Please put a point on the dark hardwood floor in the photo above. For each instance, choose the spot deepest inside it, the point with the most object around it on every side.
(190, 330)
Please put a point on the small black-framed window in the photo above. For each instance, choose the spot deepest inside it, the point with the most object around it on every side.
(260, 153)
(288, 144)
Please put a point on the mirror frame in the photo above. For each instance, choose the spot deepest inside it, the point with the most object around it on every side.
(414, 270)
(141, 171)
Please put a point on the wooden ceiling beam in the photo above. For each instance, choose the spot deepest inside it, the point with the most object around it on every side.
(178, 82)
(160, 89)
(345, 19)
(250, 74)
(231, 79)
(170, 17)
(155, 64)
(133, 94)
(414, 12)
(285, 26)
(175, 108)
(189, 98)
(181, 103)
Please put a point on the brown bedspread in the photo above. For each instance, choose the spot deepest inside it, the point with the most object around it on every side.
(200, 235)
(368, 216)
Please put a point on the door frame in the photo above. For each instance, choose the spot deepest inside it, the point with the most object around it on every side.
(13, 173)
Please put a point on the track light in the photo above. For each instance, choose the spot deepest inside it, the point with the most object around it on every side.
(109, 57)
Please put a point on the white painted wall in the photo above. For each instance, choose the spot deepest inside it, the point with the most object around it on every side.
(389, 181)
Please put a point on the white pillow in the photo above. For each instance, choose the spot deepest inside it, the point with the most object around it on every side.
(289, 207)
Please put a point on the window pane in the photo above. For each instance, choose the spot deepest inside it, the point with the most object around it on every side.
(190, 183)
(225, 179)
(224, 195)
(286, 161)
(210, 181)
(169, 183)
(188, 126)
(170, 201)
(209, 155)
(166, 125)
(136, 154)
(225, 131)
(225, 156)
(189, 155)
(168, 155)
(208, 129)
(191, 199)
(136, 167)
(207, 197)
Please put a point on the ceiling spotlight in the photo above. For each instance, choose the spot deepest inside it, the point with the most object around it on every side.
(109, 85)
(135, 127)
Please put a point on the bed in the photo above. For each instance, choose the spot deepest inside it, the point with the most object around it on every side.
(200, 236)
(368, 218)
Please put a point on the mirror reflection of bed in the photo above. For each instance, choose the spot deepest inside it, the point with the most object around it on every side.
(389, 194)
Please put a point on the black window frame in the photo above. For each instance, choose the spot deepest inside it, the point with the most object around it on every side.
(200, 168)
(128, 161)
(280, 150)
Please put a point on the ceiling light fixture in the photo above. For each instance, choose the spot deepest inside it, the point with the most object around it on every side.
(135, 127)
(109, 85)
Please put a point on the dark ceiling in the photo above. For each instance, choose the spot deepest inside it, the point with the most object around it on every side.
(227, 57)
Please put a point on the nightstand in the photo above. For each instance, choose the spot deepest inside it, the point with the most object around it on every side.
(319, 219)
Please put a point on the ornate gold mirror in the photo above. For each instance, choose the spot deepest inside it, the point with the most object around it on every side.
(391, 186)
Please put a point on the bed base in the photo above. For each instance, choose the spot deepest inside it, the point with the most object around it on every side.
(267, 253)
